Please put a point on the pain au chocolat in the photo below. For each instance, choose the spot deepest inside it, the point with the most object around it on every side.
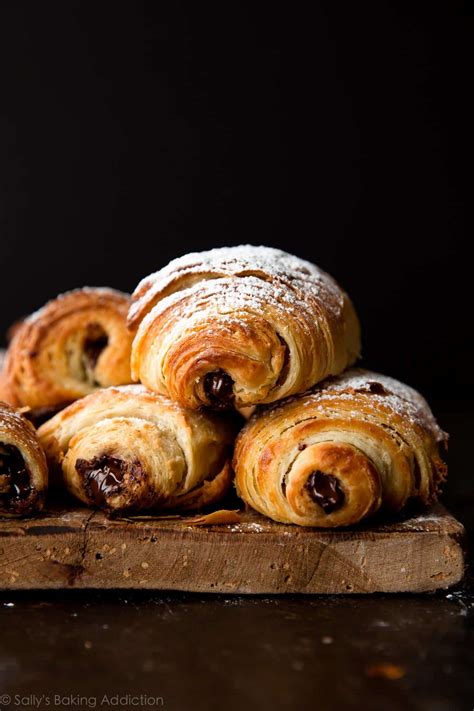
(125, 449)
(23, 470)
(240, 326)
(75, 344)
(337, 454)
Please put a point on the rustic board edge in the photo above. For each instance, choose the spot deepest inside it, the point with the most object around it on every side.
(82, 549)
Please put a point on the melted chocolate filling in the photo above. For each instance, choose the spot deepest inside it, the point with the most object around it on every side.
(103, 477)
(377, 388)
(95, 342)
(325, 491)
(286, 362)
(218, 387)
(15, 480)
(416, 473)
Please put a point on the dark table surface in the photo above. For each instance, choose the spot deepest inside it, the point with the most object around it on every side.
(174, 651)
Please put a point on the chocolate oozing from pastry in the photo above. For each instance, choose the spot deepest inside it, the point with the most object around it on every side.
(15, 479)
(103, 477)
(325, 490)
(219, 388)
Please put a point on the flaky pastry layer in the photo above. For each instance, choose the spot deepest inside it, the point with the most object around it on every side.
(331, 457)
(240, 326)
(23, 470)
(127, 449)
(75, 344)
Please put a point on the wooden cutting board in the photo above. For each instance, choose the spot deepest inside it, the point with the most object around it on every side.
(80, 548)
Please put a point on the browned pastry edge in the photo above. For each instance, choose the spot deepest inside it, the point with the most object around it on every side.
(353, 445)
(23, 469)
(74, 344)
(241, 326)
(125, 449)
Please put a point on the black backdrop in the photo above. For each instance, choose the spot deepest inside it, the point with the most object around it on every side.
(129, 135)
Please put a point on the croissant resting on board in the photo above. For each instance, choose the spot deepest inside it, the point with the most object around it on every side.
(23, 470)
(126, 449)
(333, 456)
(240, 326)
(73, 345)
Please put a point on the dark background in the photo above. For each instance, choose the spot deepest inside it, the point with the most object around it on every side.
(132, 133)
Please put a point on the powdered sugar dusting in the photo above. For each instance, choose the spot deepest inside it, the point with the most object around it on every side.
(92, 290)
(236, 261)
(244, 295)
(245, 261)
(244, 526)
(8, 412)
(15, 429)
(399, 397)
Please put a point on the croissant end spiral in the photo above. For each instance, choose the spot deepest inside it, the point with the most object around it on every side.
(23, 470)
(127, 449)
(73, 345)
(335, 455)
(240, 326)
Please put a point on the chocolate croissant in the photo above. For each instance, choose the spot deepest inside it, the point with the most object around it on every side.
(337, 454)
(75, 344)
(240, 326)
(126, 449)
(23, 470)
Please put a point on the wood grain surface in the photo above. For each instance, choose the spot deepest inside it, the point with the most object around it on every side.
(81, 548)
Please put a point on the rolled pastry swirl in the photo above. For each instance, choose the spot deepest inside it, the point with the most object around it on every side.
(337, 454)
(240, 326)
(73, 345)
(127, 449)
(23, 470)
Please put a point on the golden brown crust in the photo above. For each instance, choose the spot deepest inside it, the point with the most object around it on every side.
(240, 326)
(23, 470)
(127, 449)
(333, 456)
(73, 345)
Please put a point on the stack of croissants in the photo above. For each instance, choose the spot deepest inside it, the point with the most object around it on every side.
(226, 367)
